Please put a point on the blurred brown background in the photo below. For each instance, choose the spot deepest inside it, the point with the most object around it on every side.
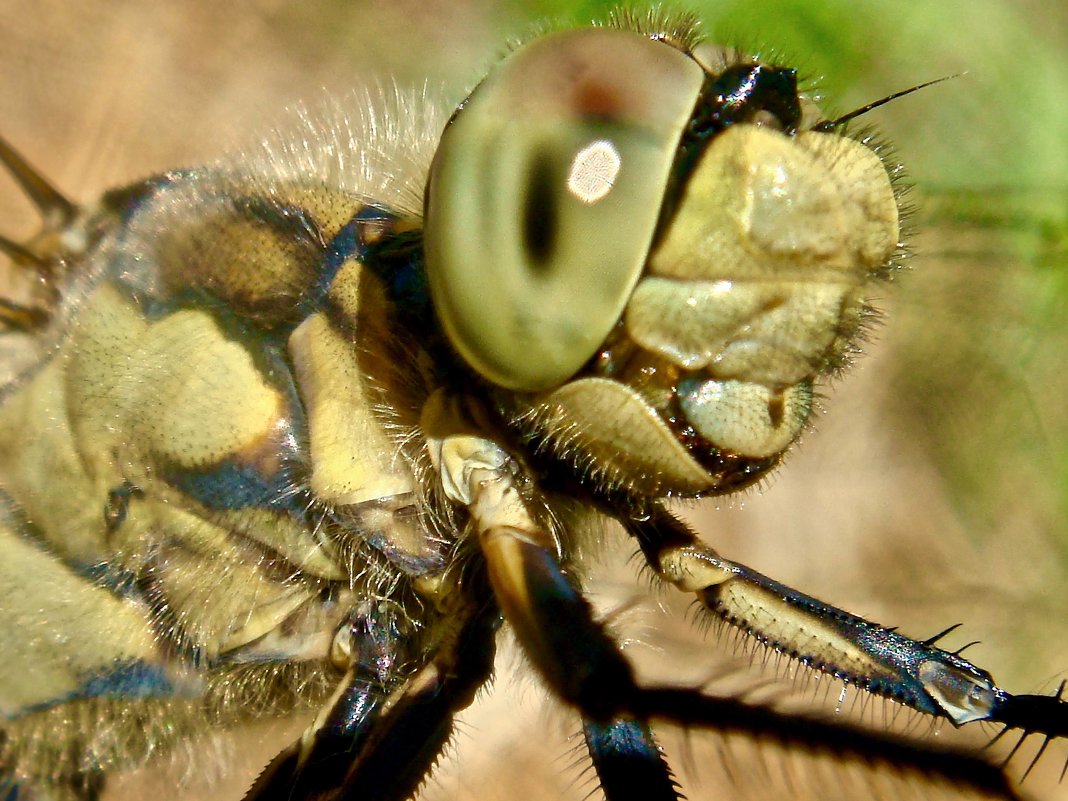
(934, 489)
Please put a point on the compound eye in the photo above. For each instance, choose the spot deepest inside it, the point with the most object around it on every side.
(544, 196)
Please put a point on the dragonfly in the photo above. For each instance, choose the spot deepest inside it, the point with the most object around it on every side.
(809, 446)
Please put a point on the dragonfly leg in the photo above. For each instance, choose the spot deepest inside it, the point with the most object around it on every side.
(19, 317)
(583, 665)
(628, 761)
(377, 723)
(551, 619)
(56, 211)
(36, 260)
(913, 672)
(570, 649)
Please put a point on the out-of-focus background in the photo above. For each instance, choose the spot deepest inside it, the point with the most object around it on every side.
(935, 488)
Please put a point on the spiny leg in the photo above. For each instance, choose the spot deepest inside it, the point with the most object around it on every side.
(878, 659)
(579, 660)
(380, 736)
(56, 211)
(21, 317)
(552, 620)
(419, 718)
(628, 761)
(321, 758)
(35, 258)
(582, 664)
(17, 315)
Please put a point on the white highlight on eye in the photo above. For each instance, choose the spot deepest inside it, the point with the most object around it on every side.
(593, 171)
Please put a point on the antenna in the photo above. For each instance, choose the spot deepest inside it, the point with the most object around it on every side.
(830, 125)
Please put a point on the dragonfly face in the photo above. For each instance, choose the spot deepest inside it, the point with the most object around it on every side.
(407, 452)
(689, 359)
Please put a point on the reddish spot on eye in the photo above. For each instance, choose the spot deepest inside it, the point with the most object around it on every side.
(777, 410)
(597, 99)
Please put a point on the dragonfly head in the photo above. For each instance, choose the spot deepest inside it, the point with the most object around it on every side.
(653, 254)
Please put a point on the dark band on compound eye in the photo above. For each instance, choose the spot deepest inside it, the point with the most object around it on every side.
(540, 213)
(740, 94)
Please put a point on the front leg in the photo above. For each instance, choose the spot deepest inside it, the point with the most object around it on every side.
(551, 619)
(875, 658)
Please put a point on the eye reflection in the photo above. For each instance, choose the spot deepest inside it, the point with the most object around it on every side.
(593, 171)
